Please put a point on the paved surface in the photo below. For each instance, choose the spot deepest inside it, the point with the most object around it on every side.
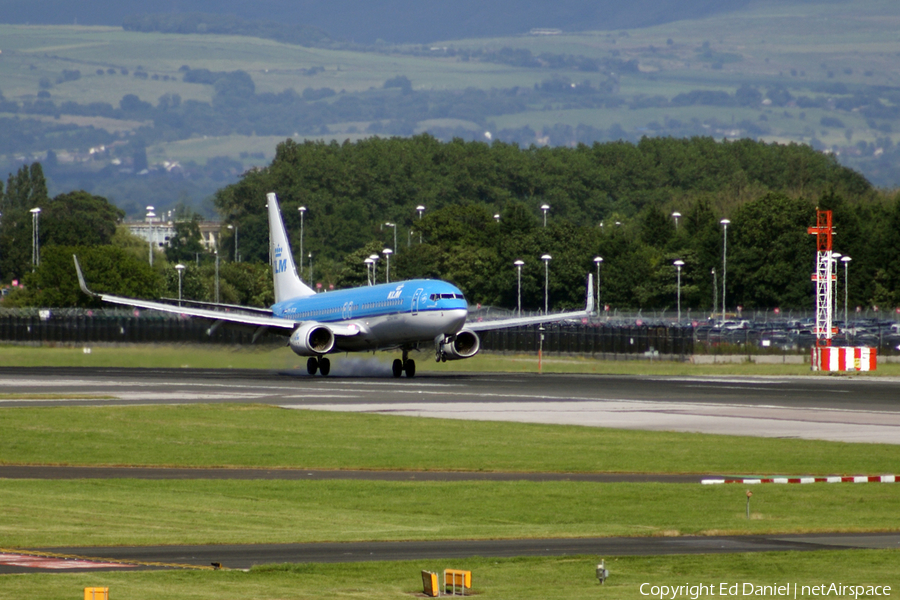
(246, 556)
(53, 472)
(829, 408)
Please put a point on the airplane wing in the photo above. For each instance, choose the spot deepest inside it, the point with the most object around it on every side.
(520, 321)
(256, 320)
(548, 318)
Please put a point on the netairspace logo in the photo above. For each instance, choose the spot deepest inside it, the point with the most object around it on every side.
(695, 591)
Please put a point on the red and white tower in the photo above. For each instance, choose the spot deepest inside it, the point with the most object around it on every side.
(824, 357)
(824, 277)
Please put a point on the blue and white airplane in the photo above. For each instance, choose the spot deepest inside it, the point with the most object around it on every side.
(406, 315)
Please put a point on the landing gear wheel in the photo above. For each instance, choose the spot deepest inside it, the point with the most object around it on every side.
(324, 366)
(410, 367)
(312, 365)
(397, 367)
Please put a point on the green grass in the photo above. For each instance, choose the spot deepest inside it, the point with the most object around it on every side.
(278, 358)
(113, 512)
(224, 435)
(149, 356)
(569, 578)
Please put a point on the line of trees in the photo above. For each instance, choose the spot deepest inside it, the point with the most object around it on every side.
(114, 260)
(482, 210)
(611, 200)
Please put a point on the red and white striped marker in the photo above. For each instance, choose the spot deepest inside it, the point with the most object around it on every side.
(833, 479)
(836, 358)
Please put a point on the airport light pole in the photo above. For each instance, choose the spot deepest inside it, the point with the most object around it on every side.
(678, 264)
(676, 216)
(180, 268)
(310, 269)
(545, 208)
(846, 260)
(302, 211)
(546, 258)
(150, 216)
(35, 239)
(420, 209)
(725, 223)
(237, 257)
(374, 258)
(519, 264)
(715, 293)
(387, 265)
(834, 261)
(217, 276)
(598, 260)
(368, 263)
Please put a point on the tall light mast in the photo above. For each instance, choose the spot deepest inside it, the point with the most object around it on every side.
(824, 278)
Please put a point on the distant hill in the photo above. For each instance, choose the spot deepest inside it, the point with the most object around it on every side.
(393, 21)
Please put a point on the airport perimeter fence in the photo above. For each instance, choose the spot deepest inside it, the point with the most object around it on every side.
(79, 327)
(600, 338)
(593, 339)
(115, 326)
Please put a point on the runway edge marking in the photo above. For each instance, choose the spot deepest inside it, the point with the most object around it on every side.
(832, 479)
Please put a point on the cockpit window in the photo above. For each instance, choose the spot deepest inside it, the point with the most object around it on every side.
(434, 297)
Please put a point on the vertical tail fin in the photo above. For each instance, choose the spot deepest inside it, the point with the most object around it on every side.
(284, 271)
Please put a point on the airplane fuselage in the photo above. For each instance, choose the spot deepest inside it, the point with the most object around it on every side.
(385, 315)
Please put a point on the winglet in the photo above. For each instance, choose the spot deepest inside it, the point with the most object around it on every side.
(81, 283)
(589, 305)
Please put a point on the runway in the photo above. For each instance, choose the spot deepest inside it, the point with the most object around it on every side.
(245, 556)
(842, 409)
(66, 472)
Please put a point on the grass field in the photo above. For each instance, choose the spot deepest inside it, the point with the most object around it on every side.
(279, 358)
(40, 513)
(228, 435)
(569, 578)
(116, 512)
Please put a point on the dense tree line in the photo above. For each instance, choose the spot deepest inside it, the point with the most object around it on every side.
(114, 261)
(482, 210)
(397, 21)
(613, 200)
(210, 23)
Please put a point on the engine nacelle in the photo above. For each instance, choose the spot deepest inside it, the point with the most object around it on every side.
(312, 339)
(465, 344)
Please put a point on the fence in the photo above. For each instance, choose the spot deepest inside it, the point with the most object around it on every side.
(598, 338)
(592, 339)
(81, 327)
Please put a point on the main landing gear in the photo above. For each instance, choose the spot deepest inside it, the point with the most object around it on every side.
(405, 364)
(322, 365)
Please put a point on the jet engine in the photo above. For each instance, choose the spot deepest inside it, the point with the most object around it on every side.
(464, 344)
(312, 339)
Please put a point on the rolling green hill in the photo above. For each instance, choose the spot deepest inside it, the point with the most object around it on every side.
(203, 108)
